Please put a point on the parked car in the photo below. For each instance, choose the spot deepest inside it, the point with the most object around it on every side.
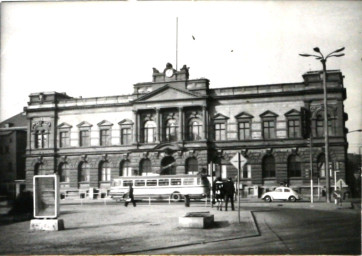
(281, 193)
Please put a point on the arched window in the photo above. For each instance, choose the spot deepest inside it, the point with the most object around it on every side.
(149, 132)
(63, 172)
(171, 130)
(321, 165)
(268, 167)
(191, 166)
(168, 166)
(145, 167)
(194, 130)
(83, 172)
(124, 169)
(104, 172)
(294, 166)
(319, 124)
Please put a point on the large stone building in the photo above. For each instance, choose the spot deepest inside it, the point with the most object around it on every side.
(12, 155)
(176, 125)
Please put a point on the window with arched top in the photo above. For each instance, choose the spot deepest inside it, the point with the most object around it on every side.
(191, 166)
(125, 169)
(171, 130)
(268, 167)
(194, 130)
(149, 132)
(63, 173)
(104, 172)
(84, 172)
(145, 167)
(294, 166)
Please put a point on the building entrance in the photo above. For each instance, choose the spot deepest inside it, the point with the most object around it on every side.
(168, 166)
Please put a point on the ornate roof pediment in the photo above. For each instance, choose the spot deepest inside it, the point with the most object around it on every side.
(64, 125)
(105, 123)
(126, 122)
(84, 124)
(220, 116)
(268, 113)
(243, 115)
(167, 92)
(292, 112)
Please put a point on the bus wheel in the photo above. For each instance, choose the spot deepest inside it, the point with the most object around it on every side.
(176, 197)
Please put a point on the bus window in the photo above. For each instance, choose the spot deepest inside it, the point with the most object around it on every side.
(139, 183)
(163, 182)
(151, 183)
(188, 181)
(126, 183)
(175, 181)
(116, 183)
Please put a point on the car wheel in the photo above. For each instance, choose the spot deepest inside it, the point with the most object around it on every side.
(292, 199)
(268, 199)
(176, 197)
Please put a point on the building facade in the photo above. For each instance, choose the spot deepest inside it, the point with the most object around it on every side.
(176, 125)
(12, 155)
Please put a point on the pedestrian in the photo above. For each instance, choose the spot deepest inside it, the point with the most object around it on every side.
(219, 193)
(337, 194)
(229, 190)
(130, 197)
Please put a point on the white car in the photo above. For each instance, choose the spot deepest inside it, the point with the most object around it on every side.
(281, 193)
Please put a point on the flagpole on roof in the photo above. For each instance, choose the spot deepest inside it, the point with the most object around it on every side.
(176, 43)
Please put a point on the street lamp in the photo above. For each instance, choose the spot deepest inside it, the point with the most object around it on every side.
(324, 60)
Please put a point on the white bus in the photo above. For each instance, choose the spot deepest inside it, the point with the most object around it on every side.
(161, 187)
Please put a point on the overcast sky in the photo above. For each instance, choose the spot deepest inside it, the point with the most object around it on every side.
(92, 49)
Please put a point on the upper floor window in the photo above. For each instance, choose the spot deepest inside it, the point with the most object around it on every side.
(84, 134)
(41, 139)
(126, 136)
(294, 166)
(194, 130)
(63, 139)
(171, 130)
(244, 130)
(84, 138)
(126, 131)
(149, 132)
(244, 125)
(269, 120)
(220, 131)
(269, 129)
(105, 137)
(105, 130)
(64, 135)
(293, 123)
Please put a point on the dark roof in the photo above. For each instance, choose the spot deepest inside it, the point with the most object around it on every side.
(18, 120)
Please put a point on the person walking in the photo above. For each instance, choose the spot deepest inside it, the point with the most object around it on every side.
(229, 191)
(130, 197)
(219, 193)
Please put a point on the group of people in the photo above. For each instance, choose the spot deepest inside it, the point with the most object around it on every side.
(223, 191)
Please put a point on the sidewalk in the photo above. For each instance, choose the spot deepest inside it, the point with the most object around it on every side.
(115, 229)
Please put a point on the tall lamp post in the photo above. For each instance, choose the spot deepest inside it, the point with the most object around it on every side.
(323, 59)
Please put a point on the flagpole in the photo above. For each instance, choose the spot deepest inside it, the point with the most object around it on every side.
(176, 43)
